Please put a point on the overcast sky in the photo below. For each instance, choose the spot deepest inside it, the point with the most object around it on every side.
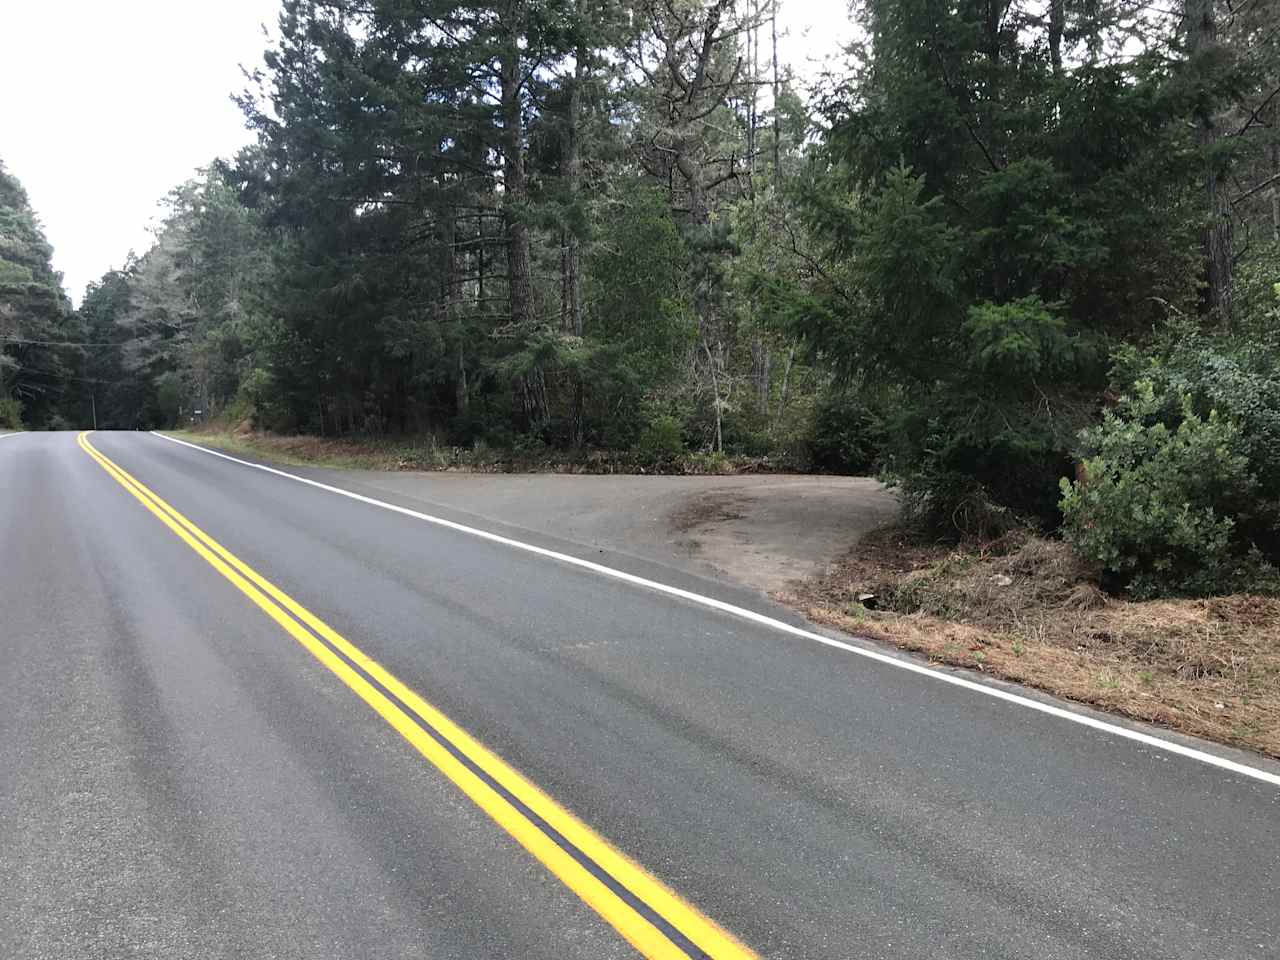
(107, 104)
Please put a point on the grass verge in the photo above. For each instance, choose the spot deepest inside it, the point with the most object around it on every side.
(427, 453)
(1026, 610)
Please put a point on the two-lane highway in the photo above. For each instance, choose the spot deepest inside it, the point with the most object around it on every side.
(244, 716)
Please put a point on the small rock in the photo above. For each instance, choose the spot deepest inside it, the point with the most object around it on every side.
(868, 600)
(1000, 580)
(1219, 706)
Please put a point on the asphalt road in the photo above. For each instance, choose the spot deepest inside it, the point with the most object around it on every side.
(181, 777)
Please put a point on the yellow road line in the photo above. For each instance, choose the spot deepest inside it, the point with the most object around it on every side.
(644, 935)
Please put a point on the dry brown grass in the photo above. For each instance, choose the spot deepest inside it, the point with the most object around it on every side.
(1025, 610)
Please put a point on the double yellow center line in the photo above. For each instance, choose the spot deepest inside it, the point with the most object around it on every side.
(650, 916)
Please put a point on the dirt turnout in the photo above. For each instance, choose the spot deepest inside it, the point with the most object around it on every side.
(764, 531)
(755, 527)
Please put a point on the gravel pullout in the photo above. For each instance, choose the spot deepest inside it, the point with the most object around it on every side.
(761, 531)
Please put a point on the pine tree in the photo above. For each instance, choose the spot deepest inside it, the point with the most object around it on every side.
(35, 316)
(983, 245)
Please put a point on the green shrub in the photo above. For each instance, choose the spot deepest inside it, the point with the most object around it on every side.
(746, 432)
(1158, 506)
(848, 433)
(10, 413)
(1236, 374)
(661, 440)
(1240, 378)
(714, 463)
(939, 501)
(255, 401)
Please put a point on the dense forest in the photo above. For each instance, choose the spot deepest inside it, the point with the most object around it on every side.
(1020, 257)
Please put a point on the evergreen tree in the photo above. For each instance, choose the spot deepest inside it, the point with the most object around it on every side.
(977, 201)
(35, 317)
(111, 391)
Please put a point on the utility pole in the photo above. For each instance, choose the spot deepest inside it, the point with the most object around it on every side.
(93, 402)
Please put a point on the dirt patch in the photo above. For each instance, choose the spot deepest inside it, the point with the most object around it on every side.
(758, 529)
(776, 531)
(1026, 610)
(714, 507)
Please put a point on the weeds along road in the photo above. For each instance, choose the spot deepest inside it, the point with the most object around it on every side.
(247, 717)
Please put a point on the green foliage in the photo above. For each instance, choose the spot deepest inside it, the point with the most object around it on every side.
(1228, 381)
(1019, 341)
(990, 393)
(1199, 382)
(35, 316)
(848, 431)
(661, 441)
(980, 244)
(899, 305)
(639, 326)
(169, 395)
(1159, 507)
(10, 413)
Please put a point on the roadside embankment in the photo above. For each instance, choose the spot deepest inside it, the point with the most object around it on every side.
(1026, 610)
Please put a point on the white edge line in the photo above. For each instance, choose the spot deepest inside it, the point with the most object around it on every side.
(766, 621)
(4, 435)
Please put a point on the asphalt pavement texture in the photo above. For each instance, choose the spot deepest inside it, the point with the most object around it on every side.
(179, 778)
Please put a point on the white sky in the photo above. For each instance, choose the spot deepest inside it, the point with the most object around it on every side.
(108, 104)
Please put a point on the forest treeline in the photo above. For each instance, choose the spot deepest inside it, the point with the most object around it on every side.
(1019, 256)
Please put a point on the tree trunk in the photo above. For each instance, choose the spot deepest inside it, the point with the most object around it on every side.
(570, 284)
(530, 387)
(753, 95)
(462, 393)
(1217, 236)
(481, 260)
(716, 401)
(691, 172)
(1093, 20)
(571, 305)
(1057, 21)
(1275, 169)
(761, 364)
(571, 319)
(786, 381)
(452, 303)
(993, 133)
(515, 191)
(777, 123)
